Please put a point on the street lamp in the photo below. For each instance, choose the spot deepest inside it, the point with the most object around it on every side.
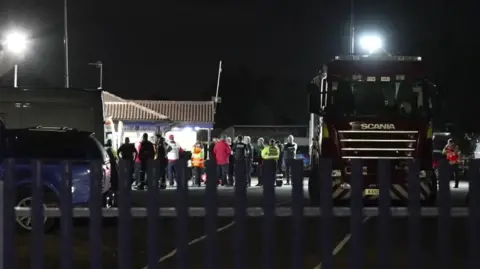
(16, 43)
(371, 43)
(99, 65)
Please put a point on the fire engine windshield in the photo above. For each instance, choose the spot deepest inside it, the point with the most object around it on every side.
(362, 98)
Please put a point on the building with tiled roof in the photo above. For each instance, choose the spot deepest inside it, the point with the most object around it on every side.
(186, 120)
(125, 118)
(194, 113)
(126, 110)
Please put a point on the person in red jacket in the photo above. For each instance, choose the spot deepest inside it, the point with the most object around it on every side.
(222, 153)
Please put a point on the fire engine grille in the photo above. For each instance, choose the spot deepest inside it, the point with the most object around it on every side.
(379, 144)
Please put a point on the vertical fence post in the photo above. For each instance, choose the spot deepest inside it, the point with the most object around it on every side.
(326, 208)
(269, 174)
(37, 214)
(444, 218)
(211, 250)
(356, 219)
(385, 215)
(474, 214)
(182, 213)
(153, 176)
(414, 236)
(66, 219)
(296, 168)
(2, 217)
(240, 213)
(95, 206)
(9, 219)
(125, 215)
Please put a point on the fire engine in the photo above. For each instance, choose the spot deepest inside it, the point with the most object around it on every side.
(369, 108)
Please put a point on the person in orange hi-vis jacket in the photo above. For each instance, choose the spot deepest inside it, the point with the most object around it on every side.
(198, 163)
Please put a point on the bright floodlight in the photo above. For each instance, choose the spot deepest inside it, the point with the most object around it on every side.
(371, 43)
(16, 42)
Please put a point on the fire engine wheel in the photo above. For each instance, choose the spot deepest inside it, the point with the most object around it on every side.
(24, 199)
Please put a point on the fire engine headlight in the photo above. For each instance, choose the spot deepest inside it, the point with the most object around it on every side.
(422, 174)
(336, 173)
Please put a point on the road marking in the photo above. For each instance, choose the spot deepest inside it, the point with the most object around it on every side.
(199, 239)
(341, 244)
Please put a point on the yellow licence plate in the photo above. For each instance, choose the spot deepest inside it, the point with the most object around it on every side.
(372, 191)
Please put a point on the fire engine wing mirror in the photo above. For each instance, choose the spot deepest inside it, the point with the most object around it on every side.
(314, 99)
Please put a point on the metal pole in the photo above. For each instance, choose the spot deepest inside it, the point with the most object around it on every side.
(15, 76)
(101, 75)
(65, 40)
(352, 28)
(218, 84)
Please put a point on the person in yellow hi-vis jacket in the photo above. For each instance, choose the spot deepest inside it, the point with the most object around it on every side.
(271, 152)
(198, 163)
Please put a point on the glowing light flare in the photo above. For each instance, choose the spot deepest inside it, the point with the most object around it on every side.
(371, 43)
(16, 42)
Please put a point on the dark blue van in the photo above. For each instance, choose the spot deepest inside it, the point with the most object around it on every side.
(52, 145)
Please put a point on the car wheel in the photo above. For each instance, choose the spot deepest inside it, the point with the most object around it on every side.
(24, 199)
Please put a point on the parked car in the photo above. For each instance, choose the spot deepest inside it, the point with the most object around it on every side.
(53, 145)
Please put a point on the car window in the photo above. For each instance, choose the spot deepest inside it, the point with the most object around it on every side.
(52, 145)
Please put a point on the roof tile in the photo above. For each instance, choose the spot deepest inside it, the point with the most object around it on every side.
(186, 111)
(131, 111)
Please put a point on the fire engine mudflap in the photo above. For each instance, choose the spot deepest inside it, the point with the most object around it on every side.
(371, 188)
(341, 184)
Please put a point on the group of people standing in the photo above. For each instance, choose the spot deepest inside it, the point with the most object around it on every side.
(223, 151)
(226, 153)
(166, 152)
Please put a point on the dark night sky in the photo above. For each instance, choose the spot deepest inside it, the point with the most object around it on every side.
(157, 48)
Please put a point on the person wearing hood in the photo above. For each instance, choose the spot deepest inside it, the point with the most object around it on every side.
(173, 155)
(289, 154)
(258, 157)
(249, 158)
(222, 153)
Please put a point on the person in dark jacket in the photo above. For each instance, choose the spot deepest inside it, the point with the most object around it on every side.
(113, 165)
(231, 162)
(280, 159)
(258, 158)
(289, 154)
(162, 161)
(249, 157)
(128, 152)
(239, 150)
(211, 147)
(146, 153)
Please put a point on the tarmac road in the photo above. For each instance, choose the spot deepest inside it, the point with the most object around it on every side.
(283, 251)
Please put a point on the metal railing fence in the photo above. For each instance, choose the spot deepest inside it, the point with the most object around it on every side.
(239, 211)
